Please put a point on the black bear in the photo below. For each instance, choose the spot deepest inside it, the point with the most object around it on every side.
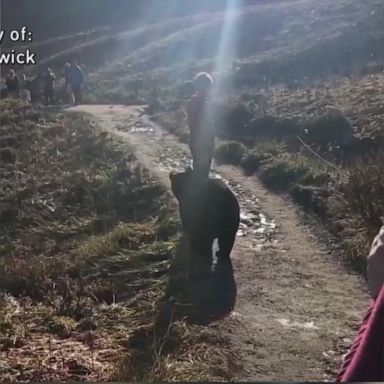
(209, 210)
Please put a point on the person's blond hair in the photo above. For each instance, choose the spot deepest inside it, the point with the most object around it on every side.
(203, 81)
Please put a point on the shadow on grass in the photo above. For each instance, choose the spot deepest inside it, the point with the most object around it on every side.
(198, 291)
(196, 295)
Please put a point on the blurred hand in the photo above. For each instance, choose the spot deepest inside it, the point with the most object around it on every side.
(375, 267)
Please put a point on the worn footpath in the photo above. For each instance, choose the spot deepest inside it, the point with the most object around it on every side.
(296, 309)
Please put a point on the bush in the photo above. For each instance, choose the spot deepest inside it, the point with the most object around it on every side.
(360, 199)
(262, 126)
(8, 155)
(279, 174)
(357, 148)
(261, 153)
(273, 128)
(232, 119)
(311, 198)
(331, 127)
(254, 159)
(357, 206)
(184, 90)
(230, 152)
(282, 173)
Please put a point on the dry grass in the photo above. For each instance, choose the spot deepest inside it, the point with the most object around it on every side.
(76, 213)
(174, 122)
(358, 208)
(184, 353)
(84, 267)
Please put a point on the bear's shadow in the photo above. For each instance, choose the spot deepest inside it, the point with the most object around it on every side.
(195, 290)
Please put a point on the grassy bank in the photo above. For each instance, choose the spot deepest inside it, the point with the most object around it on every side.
(86, 247)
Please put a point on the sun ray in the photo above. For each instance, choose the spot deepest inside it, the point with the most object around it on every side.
(227, 48)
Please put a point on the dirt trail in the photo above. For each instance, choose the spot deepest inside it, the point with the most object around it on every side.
(296, 310)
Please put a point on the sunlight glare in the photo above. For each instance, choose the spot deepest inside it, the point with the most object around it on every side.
(226, 49)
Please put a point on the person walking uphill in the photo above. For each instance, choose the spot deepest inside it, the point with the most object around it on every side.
(201, 132)
(76, 81)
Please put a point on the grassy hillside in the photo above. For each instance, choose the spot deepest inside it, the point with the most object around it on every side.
(91, 14)
(290, 43)
(307, 69)
(299, 68)
(86, 236)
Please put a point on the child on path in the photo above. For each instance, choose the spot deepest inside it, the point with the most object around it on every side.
(202, 139)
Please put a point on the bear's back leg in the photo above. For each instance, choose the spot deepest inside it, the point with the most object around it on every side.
(226, 242)
(229, 227)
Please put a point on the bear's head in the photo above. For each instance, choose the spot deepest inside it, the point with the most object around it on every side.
(180, 182)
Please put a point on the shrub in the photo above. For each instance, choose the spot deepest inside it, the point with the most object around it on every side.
(311, 198)
(232, 119)
(357, 206)
(331, 127)
(254, 159)
(360, 199)
(230, 152)
(357, 148)
(272, 127)
(261, 153)
(8, 155)
(281, 173)
(184, 90)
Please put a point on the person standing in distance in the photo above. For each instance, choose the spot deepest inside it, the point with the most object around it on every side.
(76, 81)
(67, 85)
(49, 87)
(13, 84)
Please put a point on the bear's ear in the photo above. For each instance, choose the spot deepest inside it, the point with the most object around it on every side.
(172, 175)
(188, 171)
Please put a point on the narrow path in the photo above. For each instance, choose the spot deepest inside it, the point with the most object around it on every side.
(296, 310)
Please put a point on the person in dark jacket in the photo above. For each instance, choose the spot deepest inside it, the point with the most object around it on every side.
(49, 87)
(365, 360)
(76, 81)
(13, 84)
(67, 85)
